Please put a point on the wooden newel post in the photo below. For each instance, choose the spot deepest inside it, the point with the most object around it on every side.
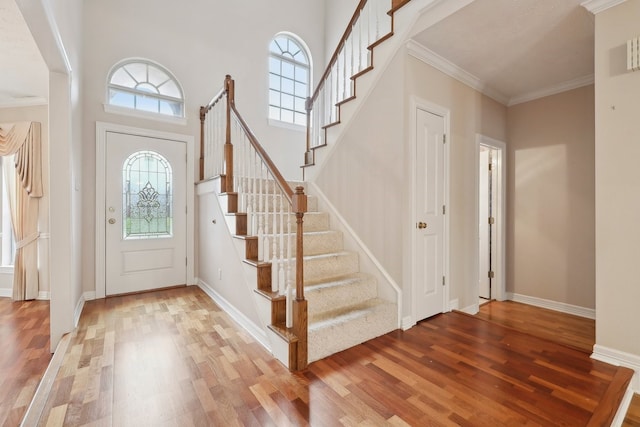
(203, 114)
(228, 146)
(300, 304)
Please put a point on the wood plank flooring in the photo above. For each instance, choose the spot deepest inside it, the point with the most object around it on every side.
(24, 355)
(574, 331)
(633, 414)
(173, 358)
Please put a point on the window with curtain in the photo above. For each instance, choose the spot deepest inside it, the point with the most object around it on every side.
(289, 79)
(7, 239)
(145, 86)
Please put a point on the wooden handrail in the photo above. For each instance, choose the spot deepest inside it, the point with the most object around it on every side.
(336, 53)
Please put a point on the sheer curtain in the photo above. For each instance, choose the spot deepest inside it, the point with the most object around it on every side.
(23, 176)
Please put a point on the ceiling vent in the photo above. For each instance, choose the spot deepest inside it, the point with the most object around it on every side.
(633, 54)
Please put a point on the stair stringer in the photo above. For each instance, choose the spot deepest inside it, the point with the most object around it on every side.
(410, 19)
(388, 288)
(261, 332)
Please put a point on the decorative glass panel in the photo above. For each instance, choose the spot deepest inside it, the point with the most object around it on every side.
(147, 196)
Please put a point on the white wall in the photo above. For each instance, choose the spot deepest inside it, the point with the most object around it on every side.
(39, 113)
(617, 182)
(200, 44)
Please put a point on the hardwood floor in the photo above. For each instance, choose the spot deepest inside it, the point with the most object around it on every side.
(173, 358)
(24, 355)
(573, 331)
(633, 414)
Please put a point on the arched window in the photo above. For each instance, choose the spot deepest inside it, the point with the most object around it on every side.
(144, 86)
(289, 79)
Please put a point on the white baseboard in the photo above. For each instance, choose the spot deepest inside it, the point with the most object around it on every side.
(471, 309)
(407, 323)
(256, 332)
(589, 313)
(454, 304)
(90, 295)
(44, 296)
(6, 293)
(78, 311)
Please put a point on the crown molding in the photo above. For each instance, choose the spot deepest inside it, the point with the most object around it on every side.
(428, 56)
(29, 101)
(552, 90)
(597, 6)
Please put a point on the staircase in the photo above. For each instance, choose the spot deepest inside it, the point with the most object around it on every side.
(343, 305)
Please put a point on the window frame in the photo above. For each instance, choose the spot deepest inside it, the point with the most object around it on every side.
(140, 113)
(282, 58)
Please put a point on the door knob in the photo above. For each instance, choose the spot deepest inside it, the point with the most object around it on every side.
(422, 225)
(112, 220)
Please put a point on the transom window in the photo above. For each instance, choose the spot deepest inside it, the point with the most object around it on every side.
(146, 196)
(145, 86)
(289, 79)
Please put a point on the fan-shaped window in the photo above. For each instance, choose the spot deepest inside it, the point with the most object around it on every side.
(145, 86)
(289, 79)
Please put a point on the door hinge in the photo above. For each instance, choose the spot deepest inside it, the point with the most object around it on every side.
(442, 280)
(444, 210)
(491, 275)
(444, 138)
(490, 166)
(492, 220)
(186, 261)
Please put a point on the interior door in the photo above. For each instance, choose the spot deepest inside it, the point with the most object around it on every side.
(145, 200)
(484, 213)
(430, 184)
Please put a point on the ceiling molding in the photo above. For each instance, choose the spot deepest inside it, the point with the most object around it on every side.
(597, 6)
(427, 56)
(552, 90)
(30, 101)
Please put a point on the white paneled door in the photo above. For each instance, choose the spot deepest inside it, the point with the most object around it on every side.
(430, 211)
(145, 218)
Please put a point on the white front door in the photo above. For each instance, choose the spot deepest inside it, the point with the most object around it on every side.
(430, 198)
(145, 218)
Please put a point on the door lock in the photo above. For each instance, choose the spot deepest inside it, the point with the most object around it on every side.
(112, 220)
(422, 225)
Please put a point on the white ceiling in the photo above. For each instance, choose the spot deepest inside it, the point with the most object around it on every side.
(517, 49)
(24, 77)
(513, 50)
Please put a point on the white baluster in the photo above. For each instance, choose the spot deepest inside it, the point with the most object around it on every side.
(274, 243)
(261, 213)
(281, 278)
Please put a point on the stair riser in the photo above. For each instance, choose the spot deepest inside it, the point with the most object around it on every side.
(339, 336)
(271, 203)
(340, 296)
(313, 244)
(320, 268)
(310, 222)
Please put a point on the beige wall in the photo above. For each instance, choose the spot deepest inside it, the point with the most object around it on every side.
(617, 181)
(551, 198)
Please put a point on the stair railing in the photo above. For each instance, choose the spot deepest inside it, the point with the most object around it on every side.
(370, 24)
(275, 211)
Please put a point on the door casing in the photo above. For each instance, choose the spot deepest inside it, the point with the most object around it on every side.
(498, 283)
(422, 104)
(101, 138)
